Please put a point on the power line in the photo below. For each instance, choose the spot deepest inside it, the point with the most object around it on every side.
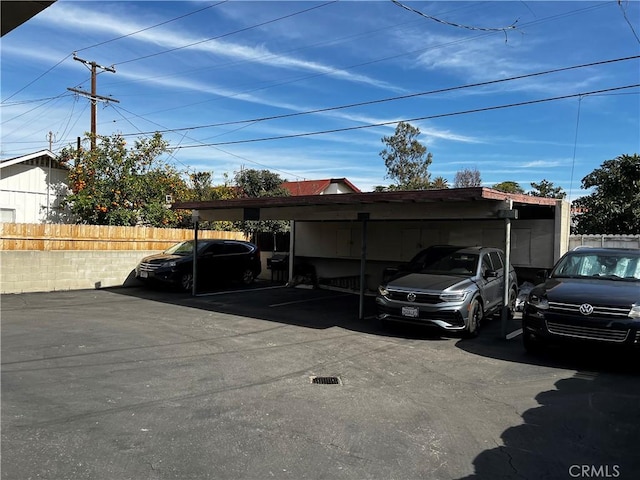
(215, 148)
(153, 26)
(395, 98)
(451, 24)
(429, 117)
(112, 40)
(227, 34)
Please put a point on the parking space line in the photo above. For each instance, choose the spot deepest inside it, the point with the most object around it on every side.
(239, 291)
(309, 300)
(514, 334)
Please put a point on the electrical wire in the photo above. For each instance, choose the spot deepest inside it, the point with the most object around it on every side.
(228, 34)
(399, 97)
(624, 14)
(395, 56)
(429, 117)
(451, 24)
(153, 26)
(215, 148)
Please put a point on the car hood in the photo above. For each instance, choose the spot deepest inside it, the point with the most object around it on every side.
(597, 291)
(424, 281)
(164, 257)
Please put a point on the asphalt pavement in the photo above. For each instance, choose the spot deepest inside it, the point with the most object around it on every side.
(130, 383)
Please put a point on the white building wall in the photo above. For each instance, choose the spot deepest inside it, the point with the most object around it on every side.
(32, 192)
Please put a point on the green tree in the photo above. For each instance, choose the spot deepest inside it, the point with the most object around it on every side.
(546, 189)
(508, 187)
(439, 183)
(116, 185)
(260, 183)
(406, 159)
(467, 177)
(201, 189)
(613, 207)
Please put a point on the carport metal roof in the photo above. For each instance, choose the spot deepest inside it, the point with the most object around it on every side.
(479, 203)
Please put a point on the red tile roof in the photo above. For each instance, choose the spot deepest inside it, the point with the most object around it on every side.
(316, 187)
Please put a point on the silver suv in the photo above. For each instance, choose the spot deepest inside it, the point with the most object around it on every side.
(450, 287)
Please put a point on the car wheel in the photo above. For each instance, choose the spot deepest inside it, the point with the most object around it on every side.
(248, 277)
(531, 344)
(186, 282)
(473, 319)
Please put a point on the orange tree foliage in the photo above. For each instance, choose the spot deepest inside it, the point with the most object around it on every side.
(114, 185)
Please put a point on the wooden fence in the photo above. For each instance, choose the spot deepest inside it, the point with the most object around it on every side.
(48, 237)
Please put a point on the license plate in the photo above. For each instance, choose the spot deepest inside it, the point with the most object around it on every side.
(144, 274)
(412, 312)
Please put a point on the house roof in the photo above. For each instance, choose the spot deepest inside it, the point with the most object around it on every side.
(316, 187)
(43, 158)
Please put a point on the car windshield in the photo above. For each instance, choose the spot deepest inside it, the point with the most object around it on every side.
(451, 263)
(614, 265)
(184, 248)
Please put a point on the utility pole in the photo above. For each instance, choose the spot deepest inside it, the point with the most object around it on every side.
(93, 96)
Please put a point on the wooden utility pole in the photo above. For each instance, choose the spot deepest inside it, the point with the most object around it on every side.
(93, 96)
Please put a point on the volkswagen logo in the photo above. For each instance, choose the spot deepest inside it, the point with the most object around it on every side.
(586, 309)
(411, 297)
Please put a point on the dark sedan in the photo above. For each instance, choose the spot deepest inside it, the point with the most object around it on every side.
(592, 295)
(219, 261)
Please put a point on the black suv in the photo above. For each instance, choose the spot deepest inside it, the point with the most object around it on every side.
(450, 287)
(592, 295)
(219, 261)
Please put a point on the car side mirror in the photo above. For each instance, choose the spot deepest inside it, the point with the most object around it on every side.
(542, 275)
(490, 274)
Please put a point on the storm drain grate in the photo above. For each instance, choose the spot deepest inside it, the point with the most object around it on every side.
(326, 380)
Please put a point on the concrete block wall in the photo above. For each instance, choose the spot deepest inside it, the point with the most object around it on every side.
(46, 271)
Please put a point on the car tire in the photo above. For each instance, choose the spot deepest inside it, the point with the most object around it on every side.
(248, 276)
(186, 282)
(530, 343)
(474, 318)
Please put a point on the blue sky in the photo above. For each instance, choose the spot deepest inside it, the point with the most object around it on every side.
(218, 78)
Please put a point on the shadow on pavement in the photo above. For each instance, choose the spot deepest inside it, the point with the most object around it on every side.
(586, 428)
(264, 300)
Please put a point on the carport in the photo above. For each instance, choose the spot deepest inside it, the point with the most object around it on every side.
(355, 236)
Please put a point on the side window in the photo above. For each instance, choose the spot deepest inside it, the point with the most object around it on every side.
(486, 264)
(214, 249)
(231, 248)
(496, 259)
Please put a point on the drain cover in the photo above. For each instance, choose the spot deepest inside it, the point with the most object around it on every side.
(326, 380)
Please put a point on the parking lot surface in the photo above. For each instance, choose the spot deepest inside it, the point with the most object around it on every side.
(129, 383)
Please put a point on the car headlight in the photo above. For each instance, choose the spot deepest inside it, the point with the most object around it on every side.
(634, 312)
(453, 297)
(383, 291)
(538, 301)
(170, 264)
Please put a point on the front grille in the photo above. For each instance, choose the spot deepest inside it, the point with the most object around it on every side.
(427, 298)
(589, 333)
(148, 266)
(598, 310)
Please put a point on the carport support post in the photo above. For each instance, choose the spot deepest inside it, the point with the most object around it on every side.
(195, 215)
(363, 217)
(504, 315)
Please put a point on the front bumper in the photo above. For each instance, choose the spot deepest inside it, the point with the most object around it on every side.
(447, 316)
(554, 327)
(165, 275)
